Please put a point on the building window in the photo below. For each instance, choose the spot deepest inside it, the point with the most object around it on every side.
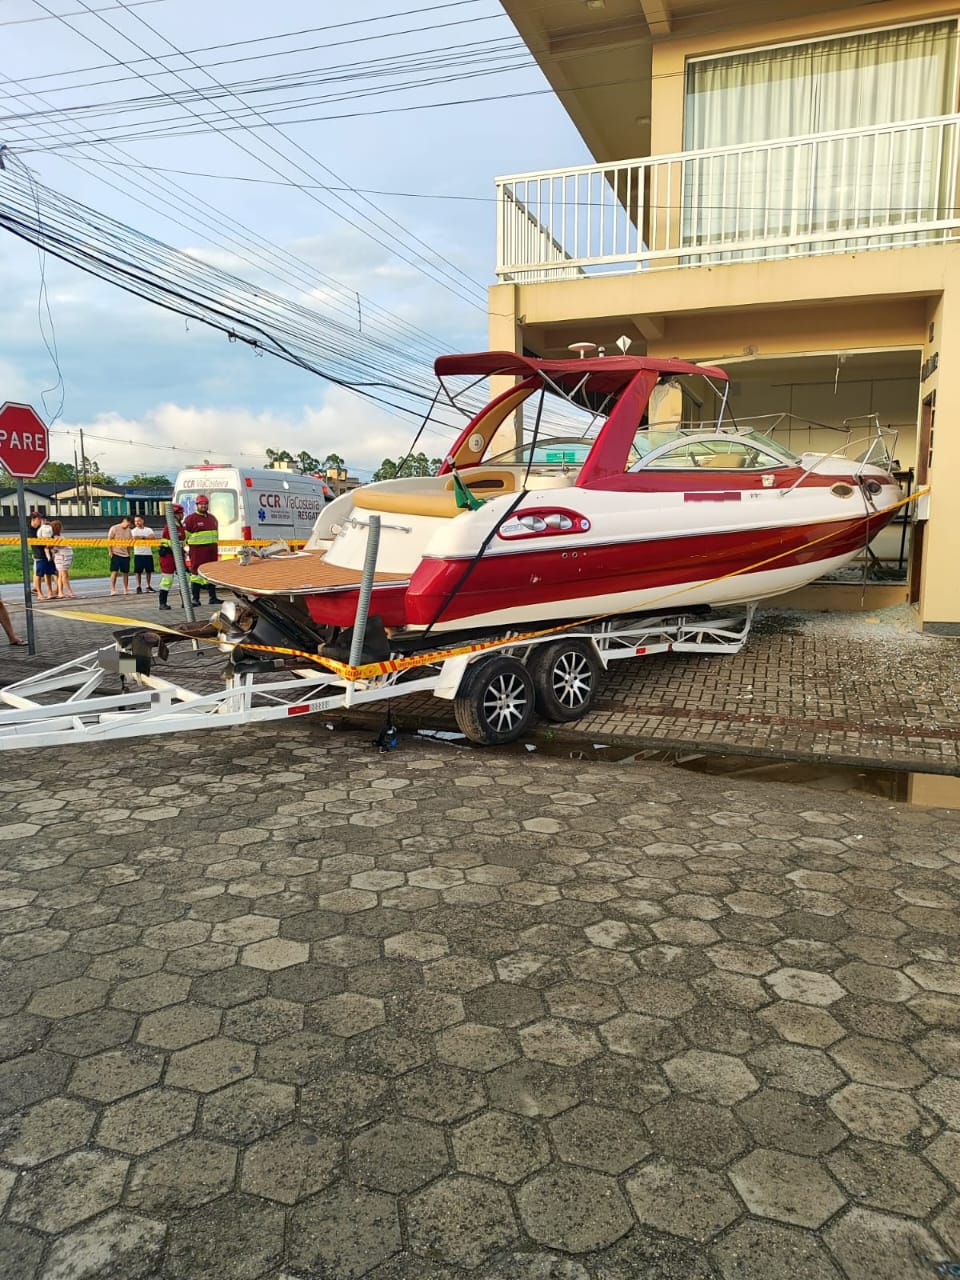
(792, 179)
(876, 77)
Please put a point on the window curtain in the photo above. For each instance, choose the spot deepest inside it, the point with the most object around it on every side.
(781, 189)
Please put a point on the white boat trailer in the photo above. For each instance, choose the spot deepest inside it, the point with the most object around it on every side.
(496, 692)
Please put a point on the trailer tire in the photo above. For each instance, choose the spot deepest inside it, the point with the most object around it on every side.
(565, 677)
(495, 701)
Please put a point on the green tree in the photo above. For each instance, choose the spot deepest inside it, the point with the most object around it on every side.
(279, 455)
(308, 464)
(418, 464)
(141, 481)
(58, 473)
(334, 462)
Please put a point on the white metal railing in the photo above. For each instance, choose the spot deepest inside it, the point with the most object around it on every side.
(870, 188)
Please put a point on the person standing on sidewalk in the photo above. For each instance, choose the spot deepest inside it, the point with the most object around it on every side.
(62, 559)
(202, 537)
(168, 565)
(142, 559)
(119, 544)
(44, 570)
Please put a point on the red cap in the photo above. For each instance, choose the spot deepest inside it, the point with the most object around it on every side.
(177, 509)
(202, 497)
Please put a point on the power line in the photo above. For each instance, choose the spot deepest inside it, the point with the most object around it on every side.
(299, 49)
(149, 269)
(261, 254)
(440, 275)
(191, 450)
(457, 271)
(145, 267)
(22, 22)
(785, 211)
(426, 69)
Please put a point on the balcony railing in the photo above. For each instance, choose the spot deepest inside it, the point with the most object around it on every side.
(873, 188)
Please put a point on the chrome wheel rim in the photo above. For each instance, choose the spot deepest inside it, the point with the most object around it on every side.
(505, 702)
(572, 680)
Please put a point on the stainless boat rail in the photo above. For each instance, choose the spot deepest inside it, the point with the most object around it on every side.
(878, 436)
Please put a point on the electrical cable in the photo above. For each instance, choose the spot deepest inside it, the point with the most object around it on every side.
(302, 275)
(22, 22)
(43, 302)
(149, 269)
(439, 275)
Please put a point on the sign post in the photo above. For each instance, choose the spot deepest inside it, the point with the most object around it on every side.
(24, 450)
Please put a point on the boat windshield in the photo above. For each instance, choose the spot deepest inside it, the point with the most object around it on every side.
(725, 451)
(556, 451)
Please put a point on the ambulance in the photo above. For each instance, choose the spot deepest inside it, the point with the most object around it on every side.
(255, 503)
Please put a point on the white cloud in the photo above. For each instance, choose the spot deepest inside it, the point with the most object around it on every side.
(170, 436)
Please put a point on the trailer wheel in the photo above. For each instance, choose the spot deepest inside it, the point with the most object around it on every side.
(495, 701)
(565, 677)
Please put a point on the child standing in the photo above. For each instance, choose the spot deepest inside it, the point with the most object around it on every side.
(62, 559)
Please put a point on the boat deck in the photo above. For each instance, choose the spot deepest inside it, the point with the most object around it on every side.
(300, 573)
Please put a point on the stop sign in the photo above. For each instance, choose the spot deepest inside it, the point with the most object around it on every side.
(24, 446)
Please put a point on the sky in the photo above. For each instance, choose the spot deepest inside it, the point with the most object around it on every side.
(153, 392)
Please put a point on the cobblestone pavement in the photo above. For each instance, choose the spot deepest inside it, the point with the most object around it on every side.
(273, 1006)
(857, 688)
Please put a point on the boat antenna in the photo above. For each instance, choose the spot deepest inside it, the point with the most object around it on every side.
(582, 347)
(624, 344)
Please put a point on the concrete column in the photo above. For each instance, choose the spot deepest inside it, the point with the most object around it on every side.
(940, 576)
(505, 334)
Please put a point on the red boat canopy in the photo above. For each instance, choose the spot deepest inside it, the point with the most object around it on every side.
(608, 373)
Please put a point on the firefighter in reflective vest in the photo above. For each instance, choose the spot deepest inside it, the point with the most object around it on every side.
(168, 566)
(202, 536)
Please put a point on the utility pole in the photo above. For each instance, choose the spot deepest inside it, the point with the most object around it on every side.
(76, 478)
(86, 485)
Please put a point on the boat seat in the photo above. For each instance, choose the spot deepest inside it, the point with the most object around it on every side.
(431, 498)
(425, 497)
(724, 461)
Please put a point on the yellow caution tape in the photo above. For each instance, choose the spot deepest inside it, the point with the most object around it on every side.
(113, 620)
(392, 666)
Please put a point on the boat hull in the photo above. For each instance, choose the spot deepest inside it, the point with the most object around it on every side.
(535, 583)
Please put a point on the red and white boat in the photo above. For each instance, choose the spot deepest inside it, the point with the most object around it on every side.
(637, 509)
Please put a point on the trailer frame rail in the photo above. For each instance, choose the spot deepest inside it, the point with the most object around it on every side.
(65, 705)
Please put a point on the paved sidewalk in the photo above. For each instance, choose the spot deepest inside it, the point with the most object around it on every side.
(273, 1006)
(852, 688)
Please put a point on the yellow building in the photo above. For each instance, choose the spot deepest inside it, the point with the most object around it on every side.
(775, 191)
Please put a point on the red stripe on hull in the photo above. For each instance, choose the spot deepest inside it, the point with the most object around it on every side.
(539, 576)
(517, 580)
(339, 608)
